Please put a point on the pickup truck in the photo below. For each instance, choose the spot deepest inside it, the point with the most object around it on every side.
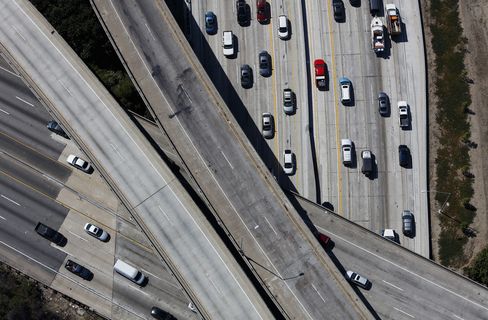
(50, 234)
(320, 72)
(403, 113)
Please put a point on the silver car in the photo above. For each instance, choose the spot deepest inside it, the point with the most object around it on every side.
(268, 125)
(358, 279)
(289, 101)
(96, 232)
(289, 162)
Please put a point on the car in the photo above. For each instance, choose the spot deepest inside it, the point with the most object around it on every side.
(289, 101)
(242, 12)
(268, 125)
(339, 11)
(323, 239)
(79, 270)
(228, 43)
(96, 232)
(390, 234)
(320, 73)
(345, 85)
(358, 279)
(261, 11)
(346, 146)
(404, 156)
(50, 234)
(79, 163)
(246, 76)
(408, 223)
(210, 22)
(288, 162)
(355, 3)
(192, 307)
(56, 128)
(161, 314)
(383, 104)
(283, 30)
(264, 63)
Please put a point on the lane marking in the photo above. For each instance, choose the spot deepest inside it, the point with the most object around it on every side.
(404, 312)
(4, 111)
(390, 284)
(2, 218)
(79, 237)
(65, 88)
(161, 209)
(230, 164)
(270, 226)
(458, 317)
(318, 293)
(150, 32)
(18, 33)
(8, 71)
(25, 101)
(8, 199)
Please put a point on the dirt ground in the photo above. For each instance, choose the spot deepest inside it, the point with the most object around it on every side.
(473, 16)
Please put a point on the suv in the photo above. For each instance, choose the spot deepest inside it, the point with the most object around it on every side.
(79, 270)
(283, 30)
(404, 156)
(56, 128)
(339, 11)
(268, 125)
(51, 234)
(289, 101)
(264, 63)
(242, 12)
(288, 162)
(345, 85)
(210, 22)
(383, 104)
(358, 279)
(408, 223)
(228, 43)
(261, 13)
(246, 76)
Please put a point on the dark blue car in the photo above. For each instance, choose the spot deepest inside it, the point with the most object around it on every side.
(210, 22)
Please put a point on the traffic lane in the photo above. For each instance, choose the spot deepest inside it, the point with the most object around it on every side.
(162, 290)
(21, 209)
(22, 116)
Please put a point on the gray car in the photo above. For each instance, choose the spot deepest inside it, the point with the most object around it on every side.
(289, 101)
(383, 104)
(408, 223)
(268, 125)
(246, 76)
(264, 63)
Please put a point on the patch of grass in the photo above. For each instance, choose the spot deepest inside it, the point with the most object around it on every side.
(452, 92)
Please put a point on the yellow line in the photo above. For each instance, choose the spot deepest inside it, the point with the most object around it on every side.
(336, 106)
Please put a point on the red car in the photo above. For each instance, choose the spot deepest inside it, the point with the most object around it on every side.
(323, 239)
(262, 13)
(320, 73)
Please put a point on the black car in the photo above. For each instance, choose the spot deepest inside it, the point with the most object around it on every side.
(246, 76)
(56, 128)
(264, 64)
(78, 270)
(408, 223)
(161, 314)
(404, 156)
(51, 234)
(339, 11)
(242, 12)
(383, 104)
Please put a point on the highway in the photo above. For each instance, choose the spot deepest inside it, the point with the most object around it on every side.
(321, 121)
(173, 223)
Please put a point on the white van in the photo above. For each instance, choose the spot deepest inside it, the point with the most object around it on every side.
(345, 84)
(228, 43)
(283, 32)
(129, 272)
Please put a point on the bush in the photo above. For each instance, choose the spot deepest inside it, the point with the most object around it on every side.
(478, 271)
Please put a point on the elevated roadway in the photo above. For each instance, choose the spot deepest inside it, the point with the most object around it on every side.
(173, 223)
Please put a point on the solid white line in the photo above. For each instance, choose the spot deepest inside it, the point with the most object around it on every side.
(270, 226)
(161, 209)
(2, 218)
(406, 270)
(392, 285)
(77, 236)
(6, 198)
(8, 71)
(149, 30)
(404, 312)
(230, 164)
(318, 292)
(458, 317)
(24, 101)
(4, 111)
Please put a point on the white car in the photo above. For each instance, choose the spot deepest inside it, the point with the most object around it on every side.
(288, 162)
(346, 146)
(391, 235)
(268, 125)
(79, 163)
(96, 232)
(358, 279)
(283, 32)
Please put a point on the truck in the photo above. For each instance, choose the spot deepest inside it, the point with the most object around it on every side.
(377, 35)
(320, 71)
(367, 168)
(50, 234)
(403, 112)
(393, 20)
